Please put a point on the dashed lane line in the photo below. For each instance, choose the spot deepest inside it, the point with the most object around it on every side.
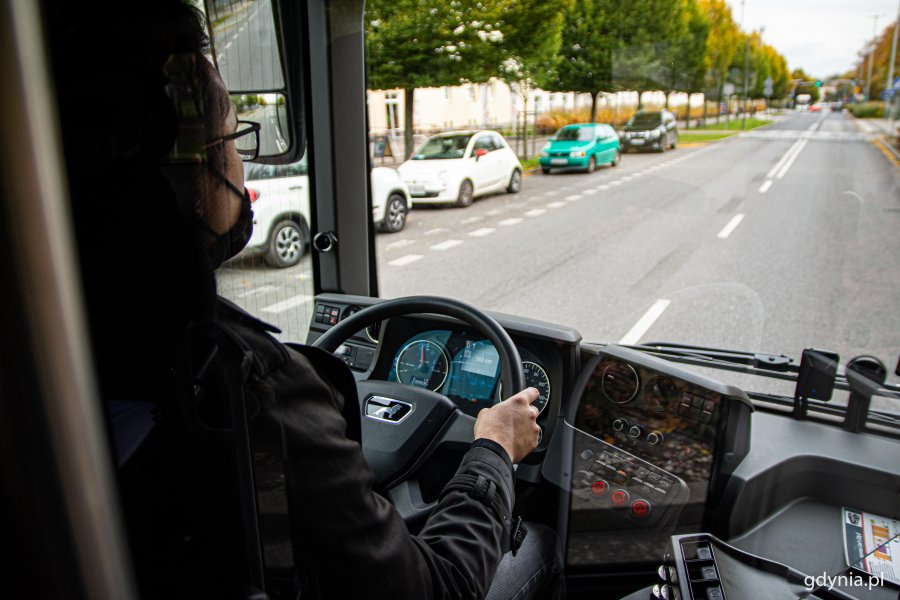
(288, 304)
(400, 244)
(482, 232)
(556, 204)
(509, 222)
(535, 212)
(574, 197)
(470, 220)
(645, 322)
(405, 260)
(446, 245)
(765, 186)
(436, 230)
(731, 226)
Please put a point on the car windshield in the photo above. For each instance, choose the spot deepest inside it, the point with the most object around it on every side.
(575, 134)
(450, 146)
(645, 120)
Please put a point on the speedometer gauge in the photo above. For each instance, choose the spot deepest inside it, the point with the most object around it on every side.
(536, 377)
(422, 364)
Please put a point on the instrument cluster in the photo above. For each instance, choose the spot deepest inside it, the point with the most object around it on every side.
(462, 366)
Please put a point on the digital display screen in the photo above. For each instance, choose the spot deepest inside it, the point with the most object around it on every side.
(473, 376)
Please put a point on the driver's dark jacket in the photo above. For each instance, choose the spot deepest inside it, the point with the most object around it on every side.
(349, 541)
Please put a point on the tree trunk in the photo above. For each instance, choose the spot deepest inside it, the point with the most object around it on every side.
(640, 100)
(594, 106)
(687, 120)
(408, 122)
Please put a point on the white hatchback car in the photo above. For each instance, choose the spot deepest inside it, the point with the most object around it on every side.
(279, 196)
(456, 167)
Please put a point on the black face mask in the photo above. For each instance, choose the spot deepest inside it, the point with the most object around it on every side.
(228, 244)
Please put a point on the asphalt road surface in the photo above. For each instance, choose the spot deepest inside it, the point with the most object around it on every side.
(776, 240)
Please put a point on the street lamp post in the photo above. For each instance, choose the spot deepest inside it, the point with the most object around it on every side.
(746, 70)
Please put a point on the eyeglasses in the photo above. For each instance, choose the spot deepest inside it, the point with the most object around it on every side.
(245, 137)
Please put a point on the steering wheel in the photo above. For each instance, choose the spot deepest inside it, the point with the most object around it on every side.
(400, 423)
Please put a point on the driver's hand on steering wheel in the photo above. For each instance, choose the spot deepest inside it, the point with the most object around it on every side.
(512, 424)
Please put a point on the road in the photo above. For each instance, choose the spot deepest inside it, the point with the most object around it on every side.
(777, 240)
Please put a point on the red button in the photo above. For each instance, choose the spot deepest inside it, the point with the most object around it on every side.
(618, 498)
(599, 487)
(640, 508)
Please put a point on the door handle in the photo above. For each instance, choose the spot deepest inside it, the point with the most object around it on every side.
(295, 187)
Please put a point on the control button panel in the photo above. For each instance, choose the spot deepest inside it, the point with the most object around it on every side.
(609, 478)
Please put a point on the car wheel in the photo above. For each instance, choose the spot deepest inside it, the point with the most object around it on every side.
(675, 143)
(394, 214)
(616, 159)
(662, 145)
(466, 194)
(545, 170)
(592, 164)
(285, 245)
(515, 182)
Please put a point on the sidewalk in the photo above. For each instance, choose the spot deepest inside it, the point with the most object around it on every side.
(882, 126)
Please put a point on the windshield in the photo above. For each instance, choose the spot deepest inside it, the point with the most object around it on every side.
(450, 146)
(645, 120)
(752, 223)
(575, 134)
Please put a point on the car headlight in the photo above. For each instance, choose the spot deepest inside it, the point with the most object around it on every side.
(544, 154)
(577, 154)
(654, 134)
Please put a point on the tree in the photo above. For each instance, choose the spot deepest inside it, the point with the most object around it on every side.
(429, 43)
(722, 44)
(690, 60)
(531, 36)
(584, 61)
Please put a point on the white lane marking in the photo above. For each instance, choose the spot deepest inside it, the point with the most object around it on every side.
(228, 45)
(482, 232)
(556, 205)
(436, 230)
(469, 220)
(446, 245)
(618, 182)
(288, 304)
(257, 291)
(493, 212)
(645, 322)
(628, 178)
(790, 161)
(782, 160)
(400, 243)
(814, 126)
(508, 222)
(602, 187)
(405, 260)
(765, 186)
(535, 212)
(551, 193)
(590, 192)
(574, 197)
(219, 57)
(731, 226)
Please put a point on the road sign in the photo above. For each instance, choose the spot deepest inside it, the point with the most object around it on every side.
(888, 93)
(728, 89)
(383, 146)
(768, 87)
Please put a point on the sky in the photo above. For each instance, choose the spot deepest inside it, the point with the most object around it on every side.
(821, 36)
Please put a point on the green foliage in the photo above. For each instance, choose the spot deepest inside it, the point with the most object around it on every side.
(532, 33)
(867, 110)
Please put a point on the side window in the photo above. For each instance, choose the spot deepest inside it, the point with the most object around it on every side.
(483, 143)
(498, 142)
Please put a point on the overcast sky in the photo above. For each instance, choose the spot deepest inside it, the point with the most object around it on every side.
(821, 36)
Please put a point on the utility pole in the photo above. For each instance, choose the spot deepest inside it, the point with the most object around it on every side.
(746, 70)
(890, 77)
(872, 55)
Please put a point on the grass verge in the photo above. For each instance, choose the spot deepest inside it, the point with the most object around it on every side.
(734, 124)
(690, 136)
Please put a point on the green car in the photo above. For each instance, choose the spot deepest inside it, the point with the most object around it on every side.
(582, 146)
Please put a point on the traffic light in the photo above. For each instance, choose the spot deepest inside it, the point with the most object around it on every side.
(818, 83)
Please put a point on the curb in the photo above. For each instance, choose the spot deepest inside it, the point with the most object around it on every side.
(882, 143)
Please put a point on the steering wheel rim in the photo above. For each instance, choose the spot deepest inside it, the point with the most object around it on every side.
(512, 376)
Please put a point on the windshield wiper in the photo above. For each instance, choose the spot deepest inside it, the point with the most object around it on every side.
(754, 360)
